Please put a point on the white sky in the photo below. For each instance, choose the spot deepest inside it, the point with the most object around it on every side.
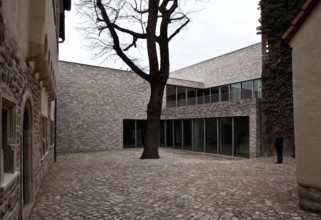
(220, 27)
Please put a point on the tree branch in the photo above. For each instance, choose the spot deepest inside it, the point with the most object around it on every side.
(178, 30)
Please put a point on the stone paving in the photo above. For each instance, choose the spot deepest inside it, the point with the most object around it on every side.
(180, 185)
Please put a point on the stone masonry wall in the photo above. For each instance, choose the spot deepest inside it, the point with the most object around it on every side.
(18, 79)
(92, 103)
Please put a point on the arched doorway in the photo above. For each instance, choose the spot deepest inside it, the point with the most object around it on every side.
(27, 156)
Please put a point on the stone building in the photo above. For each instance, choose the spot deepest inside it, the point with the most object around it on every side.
(211, 107)
(29, 34)
(304, 38)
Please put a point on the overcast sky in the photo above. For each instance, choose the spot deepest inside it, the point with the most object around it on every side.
(222, 26)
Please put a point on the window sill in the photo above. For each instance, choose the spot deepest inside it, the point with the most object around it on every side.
(9, 179)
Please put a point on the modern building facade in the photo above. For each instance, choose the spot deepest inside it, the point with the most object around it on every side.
(211, 107)
(29, 34)
(304, 38)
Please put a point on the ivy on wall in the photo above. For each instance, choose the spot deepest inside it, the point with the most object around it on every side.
(277, 103)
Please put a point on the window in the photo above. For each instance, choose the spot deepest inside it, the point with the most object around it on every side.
(207, 95)
(178, 134)
(200, 96)
(215, 94)
(236, 91)
(241, 137)
(211, 135)
(226, 136)
(181, 99)
(199, 135)
(191, 96)
(170, 96)
(187, 129)
(8, 145)
(129, 133)
(225, 91)
(247, 88)
(258, 88)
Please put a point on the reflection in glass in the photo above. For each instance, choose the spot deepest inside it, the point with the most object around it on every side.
(207, 96)
(191, 95)
(241, 137)
(225, 125)
(187, 125)
(178, 134)
(258, 88)
(129, 133)
(181, 99)
(199, 135)
(247, 89)
(169, 133)
(236, 91)
(215, 94)
(199, 96)
(225, 93)
(170, 96)
(141, 131)
(211, 135)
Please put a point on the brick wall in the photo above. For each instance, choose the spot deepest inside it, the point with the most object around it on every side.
(92, 103)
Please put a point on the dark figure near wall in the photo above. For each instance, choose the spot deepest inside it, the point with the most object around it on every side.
(278, 144)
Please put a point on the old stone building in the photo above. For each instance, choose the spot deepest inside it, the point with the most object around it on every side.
(304, 38)
(211, 107)
(29, 34)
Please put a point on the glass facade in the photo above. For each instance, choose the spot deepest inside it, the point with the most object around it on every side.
(227, 136)
(236, 91)
(183, 96)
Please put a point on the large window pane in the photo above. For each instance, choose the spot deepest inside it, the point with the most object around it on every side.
(225, 125)
(225, 93)
(199, 135)
(247, 89)
(187, 124)
(191, 95)
(169, 133)
(200, 95)
(181, 99)
(211, 135)
(258, 88)
(170, 96)
(162, 134)
(141, 131)
(235, 91)
(207, 95)
(178, 134)
(241, 137)
(215, 94)
(129, 133)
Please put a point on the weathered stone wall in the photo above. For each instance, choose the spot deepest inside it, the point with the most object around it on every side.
(92, 103)
(17, 80)
(246, 107)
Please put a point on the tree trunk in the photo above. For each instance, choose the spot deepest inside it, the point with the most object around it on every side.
(154, 109)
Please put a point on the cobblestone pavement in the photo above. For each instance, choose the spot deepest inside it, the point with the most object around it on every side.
(180, 185)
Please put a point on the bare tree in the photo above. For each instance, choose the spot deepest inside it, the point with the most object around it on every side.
(120, 25)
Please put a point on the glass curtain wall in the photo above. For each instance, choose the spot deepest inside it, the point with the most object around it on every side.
(215, 94)
(258, 88)
(225, 137)
(241, 137)
(191, 96)
(211, 135)
(236, 91)
(200, 95)
(247, 88)
(207, 95)
(225, 93)
(199, 135)
(169, 133)
(170, 96)
(188, 137)
(178, 134)
(129, 133)
(140, 132)
(181, 99)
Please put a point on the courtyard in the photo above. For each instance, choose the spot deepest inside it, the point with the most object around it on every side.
(117, 184)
